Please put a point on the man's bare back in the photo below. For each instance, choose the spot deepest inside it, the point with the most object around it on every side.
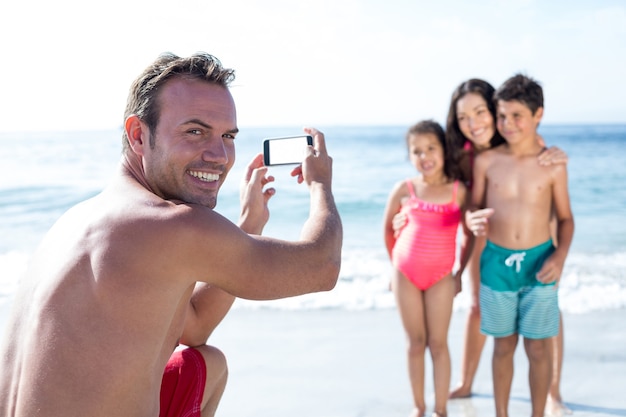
(105, 307)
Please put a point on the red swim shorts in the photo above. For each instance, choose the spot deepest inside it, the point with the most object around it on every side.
(183, 384)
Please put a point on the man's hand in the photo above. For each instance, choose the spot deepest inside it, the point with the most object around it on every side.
(254, 209)
(317, 165)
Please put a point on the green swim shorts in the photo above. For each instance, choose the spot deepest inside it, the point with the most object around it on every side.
(511, 299)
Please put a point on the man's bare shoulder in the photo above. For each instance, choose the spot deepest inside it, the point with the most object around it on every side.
(156, 236)
(130, 204)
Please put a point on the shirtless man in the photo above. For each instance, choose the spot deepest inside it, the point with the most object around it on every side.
(112, 289)
(520, 266)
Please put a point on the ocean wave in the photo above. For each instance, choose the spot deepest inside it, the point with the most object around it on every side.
(590, 282)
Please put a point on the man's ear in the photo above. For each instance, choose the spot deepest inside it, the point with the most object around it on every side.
(137, 133)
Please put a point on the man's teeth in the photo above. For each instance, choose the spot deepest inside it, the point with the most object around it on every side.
(204, 176)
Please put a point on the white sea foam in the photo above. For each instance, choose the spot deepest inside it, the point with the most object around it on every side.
(590, 282)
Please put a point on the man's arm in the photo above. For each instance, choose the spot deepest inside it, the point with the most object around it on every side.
(323, 228)
(260, 268)
(207, 308)
(209, 304)
(207, 247)
(278, 269)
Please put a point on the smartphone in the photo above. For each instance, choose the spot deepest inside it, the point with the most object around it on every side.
(285, 150)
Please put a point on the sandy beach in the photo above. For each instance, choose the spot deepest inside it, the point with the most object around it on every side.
(338, 363)
(335, 363)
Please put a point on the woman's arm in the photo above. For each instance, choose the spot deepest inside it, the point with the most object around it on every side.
(389, 221)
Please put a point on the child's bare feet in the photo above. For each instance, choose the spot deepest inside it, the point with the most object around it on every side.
(556, 408)
(418, 412)
(438, 414)
(461, 391)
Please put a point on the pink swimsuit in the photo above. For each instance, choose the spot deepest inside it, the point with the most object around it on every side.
(426, 248)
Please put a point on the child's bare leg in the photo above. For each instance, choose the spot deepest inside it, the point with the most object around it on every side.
(474, 340)
(555, 405)
(438, 310)
(409, 300)
(540, 373)
(502, 364)
(474, 343)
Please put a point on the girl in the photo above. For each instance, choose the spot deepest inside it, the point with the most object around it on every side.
(423, 255)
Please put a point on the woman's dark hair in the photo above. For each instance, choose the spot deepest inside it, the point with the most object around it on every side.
(454, 137)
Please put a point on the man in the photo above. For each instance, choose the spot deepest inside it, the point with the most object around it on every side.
(124, 277)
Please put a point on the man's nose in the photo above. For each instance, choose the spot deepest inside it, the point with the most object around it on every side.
(215, 151)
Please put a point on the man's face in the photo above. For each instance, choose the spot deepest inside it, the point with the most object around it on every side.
(193, 143)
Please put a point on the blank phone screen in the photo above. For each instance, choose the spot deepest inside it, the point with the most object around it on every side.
(285, 150)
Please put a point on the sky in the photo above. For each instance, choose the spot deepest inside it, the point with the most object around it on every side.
(68, 64)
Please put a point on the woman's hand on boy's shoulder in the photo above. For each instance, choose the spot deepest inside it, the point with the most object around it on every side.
(552, 156)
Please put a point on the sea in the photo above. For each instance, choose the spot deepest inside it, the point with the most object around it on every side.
(43, 174)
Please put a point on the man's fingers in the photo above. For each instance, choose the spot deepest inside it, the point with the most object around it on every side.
(256, 162)
(319, 142)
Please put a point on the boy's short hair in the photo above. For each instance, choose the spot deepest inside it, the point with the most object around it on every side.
(523, 89)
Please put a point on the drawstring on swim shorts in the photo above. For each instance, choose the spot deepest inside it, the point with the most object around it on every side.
(518, 258)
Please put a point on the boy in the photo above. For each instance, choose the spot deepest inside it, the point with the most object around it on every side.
(520, 267)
